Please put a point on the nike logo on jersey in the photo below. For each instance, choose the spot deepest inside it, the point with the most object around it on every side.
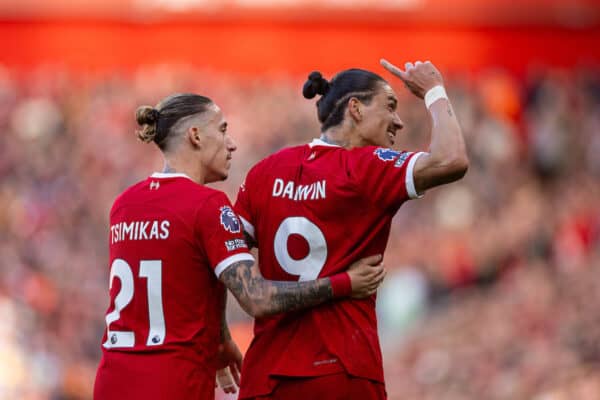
(290, 190)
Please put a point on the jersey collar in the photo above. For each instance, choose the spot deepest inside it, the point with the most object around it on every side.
(319, 142)
(169, 175)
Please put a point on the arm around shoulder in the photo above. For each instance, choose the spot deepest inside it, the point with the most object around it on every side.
(260, 297)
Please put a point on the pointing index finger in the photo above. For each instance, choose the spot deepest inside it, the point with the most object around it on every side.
(392, 68)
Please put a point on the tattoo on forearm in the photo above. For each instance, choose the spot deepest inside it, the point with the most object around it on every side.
(450, 112)
(270, 297)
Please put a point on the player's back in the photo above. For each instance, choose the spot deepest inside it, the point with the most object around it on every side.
(313, 210)
(165, 301)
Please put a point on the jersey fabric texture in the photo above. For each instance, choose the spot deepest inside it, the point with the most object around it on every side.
(338, 386)
(313, 210)
(170, 238)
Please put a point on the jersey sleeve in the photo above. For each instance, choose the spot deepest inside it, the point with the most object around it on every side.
(384, 175)
(221, 233)
(244, 202)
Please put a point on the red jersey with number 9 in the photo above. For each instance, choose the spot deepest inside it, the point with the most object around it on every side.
(170, 238)
(313, 210)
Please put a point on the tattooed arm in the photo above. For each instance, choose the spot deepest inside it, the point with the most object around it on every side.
(260, 297)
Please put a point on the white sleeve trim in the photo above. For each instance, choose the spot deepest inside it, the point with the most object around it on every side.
(410, 177)
(223, 265)
(248, 227)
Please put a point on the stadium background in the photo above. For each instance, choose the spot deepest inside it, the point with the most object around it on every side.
(494, 281)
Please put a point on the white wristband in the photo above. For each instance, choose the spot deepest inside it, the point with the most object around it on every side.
(434, 94)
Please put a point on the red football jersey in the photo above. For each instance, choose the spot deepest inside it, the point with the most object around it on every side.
(169, 238)
(313, 210)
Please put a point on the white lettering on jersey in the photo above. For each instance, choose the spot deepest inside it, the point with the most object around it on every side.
(138, 230)
(277, 187)
(319, 192)
(164, 229)
(314, 191)
(154, 230)
(143, 227)
(302, 192)
(127, 230)
(289, 190)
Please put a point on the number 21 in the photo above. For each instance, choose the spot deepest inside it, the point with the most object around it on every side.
(152, 271)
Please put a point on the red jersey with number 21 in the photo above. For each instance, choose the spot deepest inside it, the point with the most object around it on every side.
(313, 210)
(170, 238)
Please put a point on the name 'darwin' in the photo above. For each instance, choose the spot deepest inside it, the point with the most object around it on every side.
(290, 190)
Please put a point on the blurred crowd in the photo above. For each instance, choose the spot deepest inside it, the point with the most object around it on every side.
(509, 255)
(533, 335)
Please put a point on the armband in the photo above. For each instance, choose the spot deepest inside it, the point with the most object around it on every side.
(434, 94)
(341, 285)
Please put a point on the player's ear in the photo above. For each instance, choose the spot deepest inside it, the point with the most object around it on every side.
(354, 109)
(194, 136)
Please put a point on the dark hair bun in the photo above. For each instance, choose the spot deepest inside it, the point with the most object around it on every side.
(315, 85)
(146, 115)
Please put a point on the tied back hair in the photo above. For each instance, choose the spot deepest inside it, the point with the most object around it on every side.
(315, 85)
(146, 117)
(157, 123)
(335, 95)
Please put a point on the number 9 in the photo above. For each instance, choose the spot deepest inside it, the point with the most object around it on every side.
(310, 266)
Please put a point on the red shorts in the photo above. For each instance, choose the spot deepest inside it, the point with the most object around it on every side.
(152, 377)
(338, 386)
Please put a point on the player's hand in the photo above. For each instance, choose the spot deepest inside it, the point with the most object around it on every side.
(229, 366)
(366, 275)
(226, 381)
(418, 77)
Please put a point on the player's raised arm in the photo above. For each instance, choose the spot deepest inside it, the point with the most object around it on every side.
(260, 297)
(447, 160)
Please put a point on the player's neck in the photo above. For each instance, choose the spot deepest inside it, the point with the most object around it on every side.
(336, 137)
(342, 137)
(175, 166)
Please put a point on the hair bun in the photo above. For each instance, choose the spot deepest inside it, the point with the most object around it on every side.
(315, 85)
(146, 115)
